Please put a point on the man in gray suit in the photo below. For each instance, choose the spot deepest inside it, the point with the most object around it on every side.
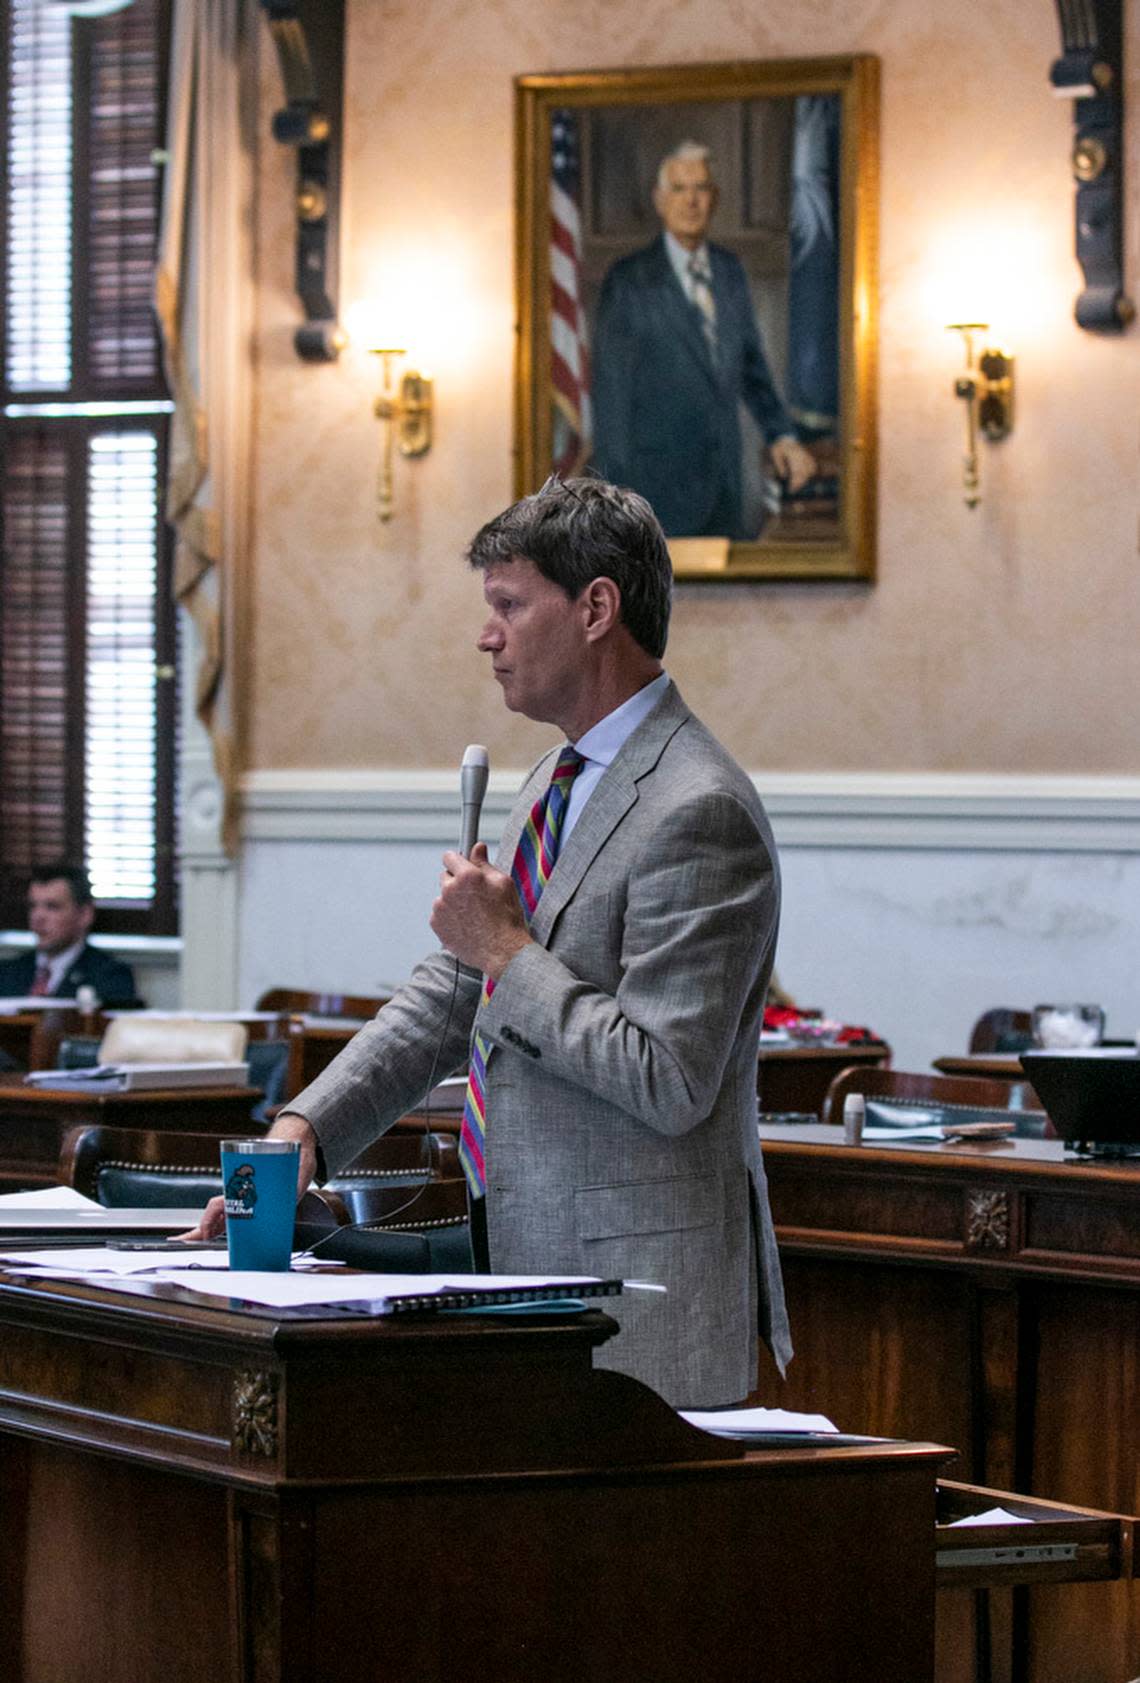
(623, 1027)
(676, 352)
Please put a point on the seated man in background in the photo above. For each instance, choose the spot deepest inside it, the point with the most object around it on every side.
(60, 914)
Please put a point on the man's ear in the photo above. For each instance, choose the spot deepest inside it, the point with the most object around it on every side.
(601, 600)
(87, 914)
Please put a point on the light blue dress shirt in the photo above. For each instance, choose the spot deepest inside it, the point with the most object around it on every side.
(600, 744)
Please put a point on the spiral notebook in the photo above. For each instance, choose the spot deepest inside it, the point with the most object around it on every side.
(330, 1288)
(501, 1297)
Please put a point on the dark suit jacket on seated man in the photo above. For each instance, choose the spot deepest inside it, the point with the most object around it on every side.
(622, 1033)
(60, 914)
(676, 351)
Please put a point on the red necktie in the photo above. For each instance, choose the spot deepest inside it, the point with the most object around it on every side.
(42, 982)
(533, 863)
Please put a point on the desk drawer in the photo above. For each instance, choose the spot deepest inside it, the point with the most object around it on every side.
(1062, 1545)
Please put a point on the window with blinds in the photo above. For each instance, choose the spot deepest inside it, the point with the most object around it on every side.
(38, 290)
(87, 632)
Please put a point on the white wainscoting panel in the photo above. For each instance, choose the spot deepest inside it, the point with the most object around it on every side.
(910, 903)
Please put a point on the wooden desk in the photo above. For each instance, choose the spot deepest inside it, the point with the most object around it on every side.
(17, 1031)
(34, 1121)
(312, 1048)
(987, 1296)
(795, 1078)
(31, 1038)
(787, 1078)
(996, 1066)
(993, 1066)
(193, 1492)
(258, 1025)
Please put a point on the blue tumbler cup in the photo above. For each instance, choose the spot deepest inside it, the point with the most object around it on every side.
(259, 1180)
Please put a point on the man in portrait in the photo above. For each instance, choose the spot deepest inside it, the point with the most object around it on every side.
(676, 352)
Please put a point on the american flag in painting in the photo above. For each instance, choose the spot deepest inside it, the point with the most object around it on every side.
(569, 345)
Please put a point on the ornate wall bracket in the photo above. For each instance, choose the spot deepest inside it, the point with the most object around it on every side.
(1089, 73)
(309, 39)
(255, 1413)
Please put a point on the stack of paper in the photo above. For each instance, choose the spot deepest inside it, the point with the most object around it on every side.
(311, 1280)
(757, 1422)
(140, 1077)
(158, 1016)
(35, 1002)
(59, 1215)
(991, 1516)
(48, 1198)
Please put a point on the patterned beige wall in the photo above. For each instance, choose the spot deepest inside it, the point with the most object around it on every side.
(1004, 638)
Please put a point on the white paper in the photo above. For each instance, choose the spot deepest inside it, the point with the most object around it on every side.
(48, 1197)
(283, 1291)
(991, 1516)
(314, 1285)
(93, 1262)
(920, 1131)
(83, 1262)
(35, 1002)
(129, 1076)
(121, 1219)
(197, 1016)
(756, 1420)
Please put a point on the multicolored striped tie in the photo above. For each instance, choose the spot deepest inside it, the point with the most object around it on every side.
(533, 863)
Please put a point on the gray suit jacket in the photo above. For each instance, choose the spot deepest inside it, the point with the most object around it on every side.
(621, 1088)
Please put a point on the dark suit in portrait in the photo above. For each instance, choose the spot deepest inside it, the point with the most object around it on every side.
(113, 982)
(666, 408)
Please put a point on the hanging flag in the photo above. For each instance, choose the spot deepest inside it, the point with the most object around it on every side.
(813, 281)
(569, 344)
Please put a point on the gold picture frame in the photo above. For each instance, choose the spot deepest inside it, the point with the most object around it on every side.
(784, 138)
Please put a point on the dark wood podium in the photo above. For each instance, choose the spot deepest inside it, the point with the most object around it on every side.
(986, 1294)
(34, 1121)
(195, 1492)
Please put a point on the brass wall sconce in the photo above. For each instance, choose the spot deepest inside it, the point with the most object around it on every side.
(986, 388)
(405, 414)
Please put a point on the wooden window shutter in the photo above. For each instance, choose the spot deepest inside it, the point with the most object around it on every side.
(87, 623)
(41, 721)
(118, 186)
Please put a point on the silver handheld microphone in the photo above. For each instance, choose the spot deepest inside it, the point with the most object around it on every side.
(473, 775)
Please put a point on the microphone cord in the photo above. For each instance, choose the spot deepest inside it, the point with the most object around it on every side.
(417, 1188)
(473, 784)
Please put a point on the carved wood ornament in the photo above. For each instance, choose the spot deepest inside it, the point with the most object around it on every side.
(255, 1413)
(987, 1221)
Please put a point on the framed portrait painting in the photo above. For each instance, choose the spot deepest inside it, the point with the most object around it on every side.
(696, 304)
